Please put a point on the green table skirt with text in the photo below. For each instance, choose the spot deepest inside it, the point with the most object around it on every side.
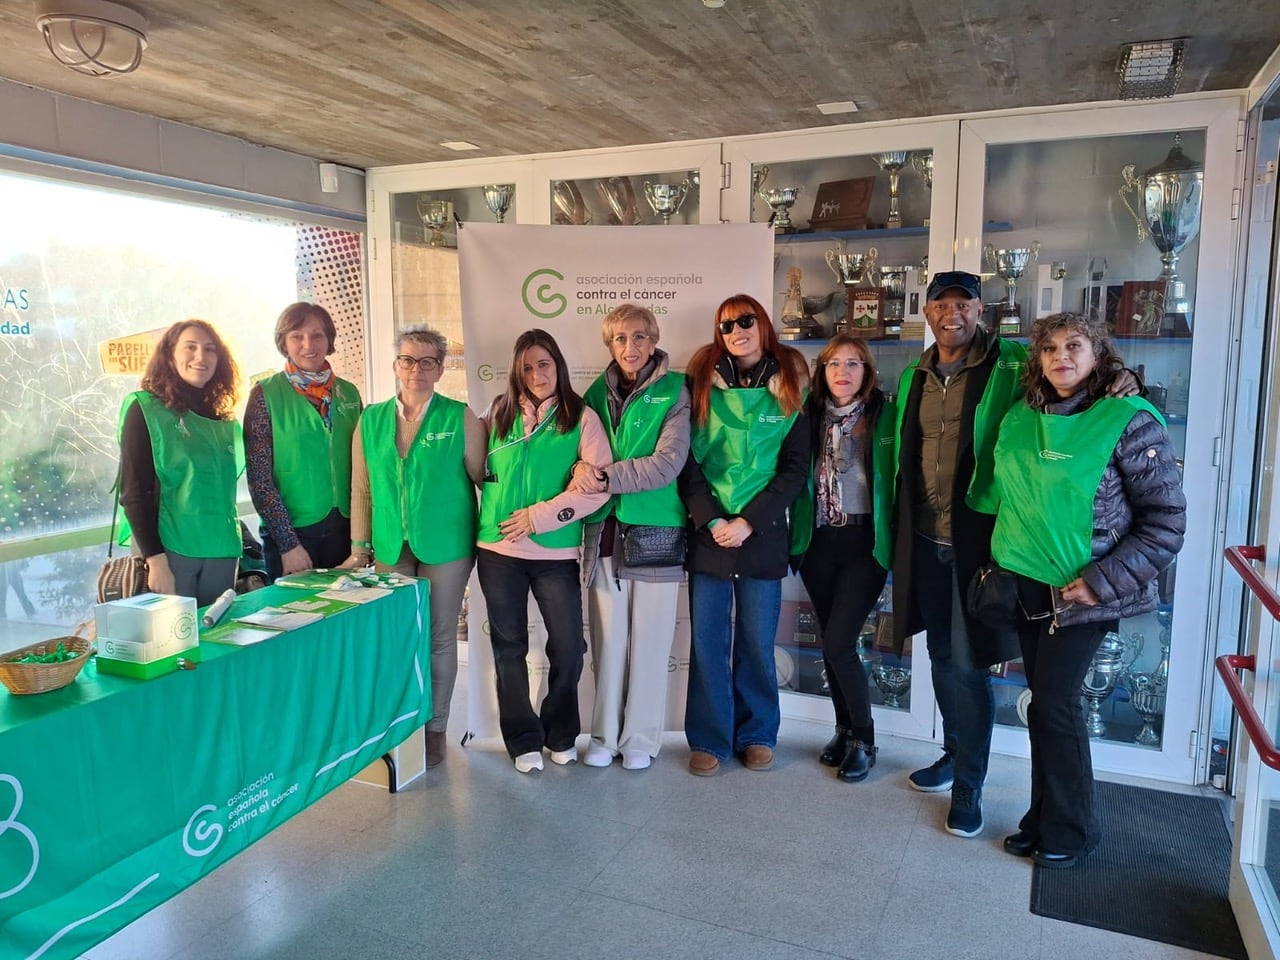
(117, 794)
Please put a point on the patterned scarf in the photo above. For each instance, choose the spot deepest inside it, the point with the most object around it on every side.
(316, 387)
(837, 457)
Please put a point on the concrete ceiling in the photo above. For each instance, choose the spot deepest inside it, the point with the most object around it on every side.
(376, 82)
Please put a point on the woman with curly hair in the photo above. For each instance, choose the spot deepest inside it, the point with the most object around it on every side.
(180, 456)
(1090, 511)
(748, 462)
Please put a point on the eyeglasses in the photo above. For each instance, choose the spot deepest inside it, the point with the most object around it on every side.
(746, 322)
(638, 339)
(836, 365)
(407, 363)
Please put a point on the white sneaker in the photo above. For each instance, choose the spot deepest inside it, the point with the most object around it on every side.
(597, 756)
(528, 762)
(636, 759)
(562, 757)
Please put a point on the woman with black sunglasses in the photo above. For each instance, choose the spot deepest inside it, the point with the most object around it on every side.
(749, 460)
(415, 461)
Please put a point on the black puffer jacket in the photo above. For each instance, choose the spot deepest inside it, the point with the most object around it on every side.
(1139, 518)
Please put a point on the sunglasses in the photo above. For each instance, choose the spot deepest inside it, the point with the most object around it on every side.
(746, 322)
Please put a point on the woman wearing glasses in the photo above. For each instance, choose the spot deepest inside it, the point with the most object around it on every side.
(530, 539)
(1090, 511)
(749, 461)
(415, 461)
(632, 599)
(297, 424)
(847, 562)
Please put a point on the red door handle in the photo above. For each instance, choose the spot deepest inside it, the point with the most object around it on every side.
(1241, 559)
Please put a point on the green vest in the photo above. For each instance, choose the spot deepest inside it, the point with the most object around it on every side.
(637, 436)
(197, 461)
(1003, 390)
(425, 497)
(300, 443)
(528, 471)
(737, 448)
(1048, 468)
(883, 464)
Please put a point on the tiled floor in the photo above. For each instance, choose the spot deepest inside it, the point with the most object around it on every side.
(478, 861)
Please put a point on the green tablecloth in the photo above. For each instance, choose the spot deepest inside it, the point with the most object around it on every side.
(117, 794)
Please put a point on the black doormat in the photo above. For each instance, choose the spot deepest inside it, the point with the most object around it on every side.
(1160, 873)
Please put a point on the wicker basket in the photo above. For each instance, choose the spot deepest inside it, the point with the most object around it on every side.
(23, 678)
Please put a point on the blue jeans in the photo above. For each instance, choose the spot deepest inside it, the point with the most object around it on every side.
(328, 543)
(733, 681)
(507, 583)
(962, 690)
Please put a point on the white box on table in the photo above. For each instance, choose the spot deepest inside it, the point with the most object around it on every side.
(146, 627)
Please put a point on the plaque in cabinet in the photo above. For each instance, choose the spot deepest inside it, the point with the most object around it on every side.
(1141, 309)
(866, 312)
(842, 204)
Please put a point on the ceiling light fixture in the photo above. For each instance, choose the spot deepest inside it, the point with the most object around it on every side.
(94, 37)
(713, 4)
(461, 146)
(1151, 69)
(837, 106)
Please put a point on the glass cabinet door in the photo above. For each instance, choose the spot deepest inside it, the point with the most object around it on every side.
(1124, 215)
(858, 218)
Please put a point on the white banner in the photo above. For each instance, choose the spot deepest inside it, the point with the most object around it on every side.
(565, 280)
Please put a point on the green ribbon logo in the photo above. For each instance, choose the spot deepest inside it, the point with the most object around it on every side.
(553, 304)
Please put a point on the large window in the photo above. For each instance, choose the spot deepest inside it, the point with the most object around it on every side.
(89, 277)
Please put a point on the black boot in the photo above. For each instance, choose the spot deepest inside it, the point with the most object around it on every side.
(834, 752)
(857, 762)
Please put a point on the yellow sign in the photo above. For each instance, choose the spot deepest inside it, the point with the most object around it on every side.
(128, 356)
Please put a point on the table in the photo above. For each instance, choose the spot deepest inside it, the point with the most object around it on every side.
(117, 794)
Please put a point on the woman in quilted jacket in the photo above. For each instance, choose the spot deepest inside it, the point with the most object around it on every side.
(1091, 511)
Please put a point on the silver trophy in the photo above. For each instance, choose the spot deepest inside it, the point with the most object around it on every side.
(665, 198)
(436, 214)
(1164, 617)
(1011, 264)
(892, 682)
(497, 197)
(1170, 192)
(618, 193)
(570, 206)
(781, 199)
(1105, 670)
(892, 163)
(893, 280)
(922, 163)
(797, 323)
(1147, 694)
(853, 269)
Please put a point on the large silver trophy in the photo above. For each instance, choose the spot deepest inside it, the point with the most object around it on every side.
(892, 682)
(1011, 264)
(852, 270)
(665, 198)
(570, 207)
(436, 215)
(893, 280)
(618, 193)
(1105, 670)
(497, 197)
(922, 163)
(892, 162)
(781, 200)
(1171, 192)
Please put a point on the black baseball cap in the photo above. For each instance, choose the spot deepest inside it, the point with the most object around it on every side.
(970, 283)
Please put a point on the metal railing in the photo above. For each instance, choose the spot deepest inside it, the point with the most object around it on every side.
(1241, 559)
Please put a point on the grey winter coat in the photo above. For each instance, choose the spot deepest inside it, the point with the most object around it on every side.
(641, 473)
(1139, 518)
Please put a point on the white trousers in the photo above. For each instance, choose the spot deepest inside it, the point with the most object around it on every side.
(632, 624)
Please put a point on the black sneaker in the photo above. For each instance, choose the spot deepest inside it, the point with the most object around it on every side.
(937, 777)
(965, 817)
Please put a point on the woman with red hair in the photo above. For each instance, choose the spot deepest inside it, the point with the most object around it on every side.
(749, 460)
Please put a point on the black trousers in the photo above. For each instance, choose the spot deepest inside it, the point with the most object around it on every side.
(844, 581)
(328, 542)
(1062, 815)
(507, 583)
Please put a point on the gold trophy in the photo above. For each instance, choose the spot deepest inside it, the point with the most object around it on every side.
(796, 322)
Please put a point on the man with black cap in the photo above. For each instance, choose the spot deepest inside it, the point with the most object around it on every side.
(950, 406)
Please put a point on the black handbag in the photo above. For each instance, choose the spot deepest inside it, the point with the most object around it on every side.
(653, 546)
(992, 597)
(120, 577)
